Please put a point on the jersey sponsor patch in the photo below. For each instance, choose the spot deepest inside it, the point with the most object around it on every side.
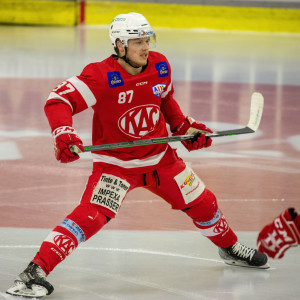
(114, 79)
(139, 120)
(158, 89)
(211, 222)
(190, 185)
(162, 69)
(110, 192)
(75, 229)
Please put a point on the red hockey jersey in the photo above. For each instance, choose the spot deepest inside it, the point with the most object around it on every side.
(126, 107)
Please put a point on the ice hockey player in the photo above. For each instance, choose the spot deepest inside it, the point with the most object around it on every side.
(280, 235)
(131, 94)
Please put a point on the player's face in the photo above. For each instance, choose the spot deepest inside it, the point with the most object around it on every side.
(138, 50)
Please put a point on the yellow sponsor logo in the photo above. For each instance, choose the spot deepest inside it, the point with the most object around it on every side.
(115, 81)
(189, 180)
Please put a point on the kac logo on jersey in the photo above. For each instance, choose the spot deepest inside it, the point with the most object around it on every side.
(158, 89)
(114, 79)
(140, 120)
(162, 68)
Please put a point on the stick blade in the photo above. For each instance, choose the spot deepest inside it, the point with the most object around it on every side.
(256, 110)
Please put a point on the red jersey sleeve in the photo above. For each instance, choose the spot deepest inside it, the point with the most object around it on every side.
(169, 107)
(72, 96)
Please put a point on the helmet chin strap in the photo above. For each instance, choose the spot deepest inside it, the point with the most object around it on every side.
(127, 60)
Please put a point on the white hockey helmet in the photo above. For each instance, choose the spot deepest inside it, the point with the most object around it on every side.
(130, 26)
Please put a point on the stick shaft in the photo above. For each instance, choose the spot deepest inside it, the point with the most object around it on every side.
(164, 140)
(256, 109)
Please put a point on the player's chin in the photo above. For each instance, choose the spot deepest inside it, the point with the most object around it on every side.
(143, 60)
(142, 64)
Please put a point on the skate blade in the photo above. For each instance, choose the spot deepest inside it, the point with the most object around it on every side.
(243, 264)
(20, 289)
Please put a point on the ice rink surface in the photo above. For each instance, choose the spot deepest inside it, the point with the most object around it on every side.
(150, 251)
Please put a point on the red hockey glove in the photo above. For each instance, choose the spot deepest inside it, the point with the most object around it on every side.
(64, 137)
(283, 233)
(190, 126)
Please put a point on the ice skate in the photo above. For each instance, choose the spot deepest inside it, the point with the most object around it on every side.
(31, 283)
(243, 256)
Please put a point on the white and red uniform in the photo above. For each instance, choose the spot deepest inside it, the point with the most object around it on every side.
(127, 107)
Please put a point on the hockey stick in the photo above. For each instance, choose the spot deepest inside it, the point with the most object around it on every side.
(256, 109)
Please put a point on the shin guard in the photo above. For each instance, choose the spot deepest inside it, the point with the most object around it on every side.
(210, 221)
(78, 227)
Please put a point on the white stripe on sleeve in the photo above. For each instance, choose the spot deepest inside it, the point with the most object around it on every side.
(164, 94)
(84, 90)
(53, 95)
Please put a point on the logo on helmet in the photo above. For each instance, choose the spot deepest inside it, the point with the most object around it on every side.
(162, 68)
(114, 79)
(119, 19)
(144, 33)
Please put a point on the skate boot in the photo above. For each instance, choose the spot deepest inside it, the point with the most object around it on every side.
(31, 283)
(243, 256)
